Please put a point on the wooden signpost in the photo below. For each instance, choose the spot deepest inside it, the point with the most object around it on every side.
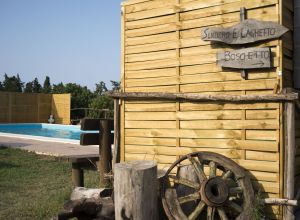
(248, 31)
(248, 58)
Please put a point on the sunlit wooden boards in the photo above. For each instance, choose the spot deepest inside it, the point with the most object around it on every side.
(61, 108)
(34, 108)
(163, 52)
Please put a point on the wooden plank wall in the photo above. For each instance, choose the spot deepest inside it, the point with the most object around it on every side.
(162, 52)
(61, 108)
(24, 108)
(31, 107)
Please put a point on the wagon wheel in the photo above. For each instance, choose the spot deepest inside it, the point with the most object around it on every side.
(222, 190)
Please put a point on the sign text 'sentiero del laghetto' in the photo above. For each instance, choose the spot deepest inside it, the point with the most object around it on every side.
(248, 31)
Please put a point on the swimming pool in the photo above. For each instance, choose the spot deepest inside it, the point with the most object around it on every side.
(64, 132)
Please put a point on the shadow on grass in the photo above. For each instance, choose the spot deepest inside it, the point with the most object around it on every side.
(4, 165)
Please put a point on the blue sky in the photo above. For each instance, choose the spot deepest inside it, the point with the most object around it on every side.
(69, 40)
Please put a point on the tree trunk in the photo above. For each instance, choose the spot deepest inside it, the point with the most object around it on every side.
(135, 190)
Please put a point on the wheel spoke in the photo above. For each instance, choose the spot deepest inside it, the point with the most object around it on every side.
(189, 198)
(198, 168)
(227, 175)
(235, 206)
(235, 190)
(212, 169)
(222, 213)
(185, 182)
(211, 213)
(197, 211)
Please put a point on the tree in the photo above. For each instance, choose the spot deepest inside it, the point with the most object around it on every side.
(100, 103)
(58, 88)
(12, 84)
(115, 86)
(1, 86)
(36, 86)
(101, 88)
(28, 87)
(47, 88)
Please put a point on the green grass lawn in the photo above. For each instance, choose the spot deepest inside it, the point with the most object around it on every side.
(33, 186)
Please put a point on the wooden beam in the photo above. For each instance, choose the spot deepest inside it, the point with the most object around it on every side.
(116, 153)
(290, 153)
(205, 97)
(89, 139)
(90, 124)
(105, 164)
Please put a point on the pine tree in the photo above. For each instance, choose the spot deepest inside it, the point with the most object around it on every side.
(12, 84)
(28, 87)
(47, 88)
(36, 86)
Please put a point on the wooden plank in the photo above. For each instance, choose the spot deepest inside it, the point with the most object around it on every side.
(262, 114)
(266, 186)
(264, 166)
(255, 145)
(173, 133)
(226, 106)
(150, 124)
(90, 124)
(263, 156)
(150, 141)
(261, 135)
(160, 107)
(167, 19)
(264, 14)
(193, 115)
(89, 139)
(227, 86)
(193, 11)
(249, 58)
(205, 97)
(247, 31)
(264, 176)
(175, 151)
(229, 124)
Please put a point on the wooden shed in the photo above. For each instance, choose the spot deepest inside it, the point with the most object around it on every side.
(176, 99)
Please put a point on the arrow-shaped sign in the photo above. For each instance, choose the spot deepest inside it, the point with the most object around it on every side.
(248, 58)
(248, 31)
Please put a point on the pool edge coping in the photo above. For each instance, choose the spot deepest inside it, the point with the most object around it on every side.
(40, 138)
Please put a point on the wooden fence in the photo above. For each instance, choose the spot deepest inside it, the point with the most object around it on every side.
(34, 108)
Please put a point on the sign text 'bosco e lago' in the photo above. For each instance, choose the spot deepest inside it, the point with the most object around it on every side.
(248, 31)
(248, 58)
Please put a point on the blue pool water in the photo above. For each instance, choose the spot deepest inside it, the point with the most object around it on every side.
(44, 130)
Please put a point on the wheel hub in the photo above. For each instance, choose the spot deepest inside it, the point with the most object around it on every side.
(214, 191)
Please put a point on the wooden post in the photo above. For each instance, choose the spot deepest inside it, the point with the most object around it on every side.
(105, 157)
(290, 152)
(243, 17)
(135, 190)
(116, 153)
(77, 175)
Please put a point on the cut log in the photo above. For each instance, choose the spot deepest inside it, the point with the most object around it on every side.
(135, 190)
(284, 202)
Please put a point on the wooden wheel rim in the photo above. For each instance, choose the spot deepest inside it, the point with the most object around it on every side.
(174, 210)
